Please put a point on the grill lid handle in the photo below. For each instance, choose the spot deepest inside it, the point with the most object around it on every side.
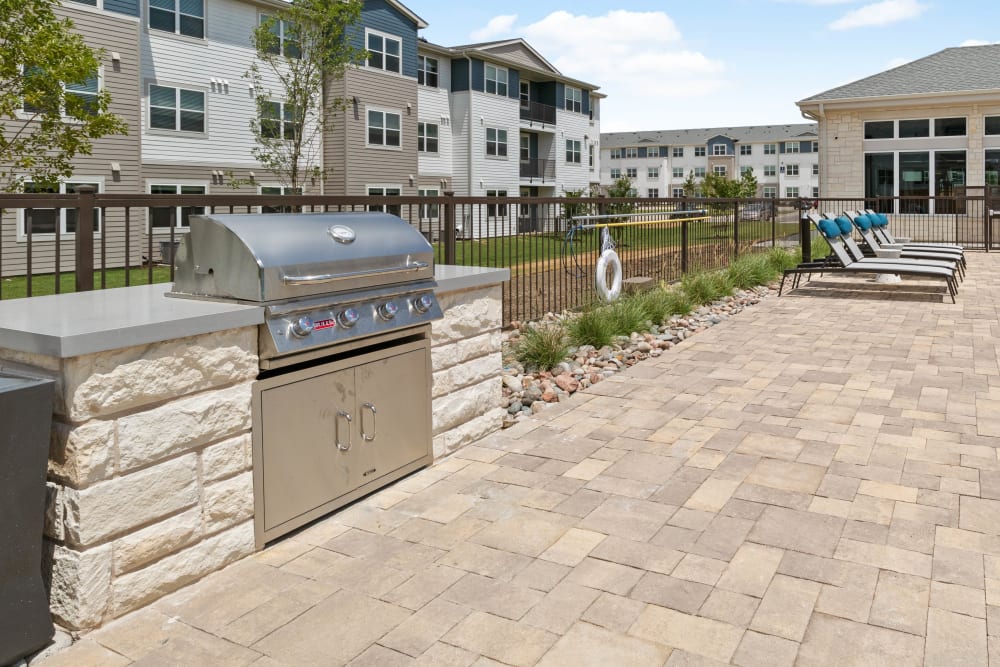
(334, 277)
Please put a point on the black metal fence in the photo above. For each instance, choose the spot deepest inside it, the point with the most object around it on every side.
(57, 243)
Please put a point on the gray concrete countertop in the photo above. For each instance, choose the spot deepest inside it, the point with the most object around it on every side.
(69, 325)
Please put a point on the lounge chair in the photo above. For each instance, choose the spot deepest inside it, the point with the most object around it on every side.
(930, 259)
(881, 229)
(830, 231)
(864, 223)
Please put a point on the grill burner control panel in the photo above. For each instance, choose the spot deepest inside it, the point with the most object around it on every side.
(304, 328)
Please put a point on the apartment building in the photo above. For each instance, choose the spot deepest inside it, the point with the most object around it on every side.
(783, 158)
(929, 128)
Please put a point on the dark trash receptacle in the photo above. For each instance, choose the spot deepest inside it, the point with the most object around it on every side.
(25, 422)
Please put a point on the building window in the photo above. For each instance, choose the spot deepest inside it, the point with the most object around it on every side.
(496, 80)
(46, 220)
(699, 151)
(677, 151)
(86, 92)
(791, 192)
(427, 138)
(385, 191)
(792, 147)
(746, 170)
(678, 192)
(909, 129)
(652, 172)
(653, 151)
(183, 17)
(176, 109)
(770, 149)
(879, 129)
(496, 142)
(792, 170)
(429, 212)
(770, 191)
(992, 166)
(719, 149)
(286, 41)
(949, 127)
(652, 193)
(678, 172)
(815, 147)
(574, 99)
(991, 125)
(699, 172)
(815, 170)
(770, 170)
(277, 121)
(815, 192)
(631, 152)
(617, 153)
(590, 156)
(427, 71)
(632, 172)
(160, 216)
(498, 210)
(273, 190)
(573, 151)
(719, 170)
(746, 149)
(383, 128)
(616, 173)
(524, 93)
(383, 52)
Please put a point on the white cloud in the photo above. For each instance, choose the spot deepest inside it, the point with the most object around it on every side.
(497, 27)
(896, 62)
(976, 42)
(879, 14)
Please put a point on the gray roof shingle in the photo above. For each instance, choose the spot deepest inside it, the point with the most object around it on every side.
(957, 69)
(748, 134)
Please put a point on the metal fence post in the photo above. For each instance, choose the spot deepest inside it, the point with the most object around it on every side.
(684, 246)
(736, 230)
(805, 238)
(84, 270)
(450, 229)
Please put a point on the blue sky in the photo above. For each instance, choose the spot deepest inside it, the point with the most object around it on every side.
(672, 65)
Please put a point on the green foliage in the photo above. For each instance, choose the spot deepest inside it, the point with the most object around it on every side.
(621, 189)
(781, 259)
(704, 287)
(591, 327)
(542, 346)
(690, 185)
(626, 316)
(39, 57)
(316, 52)
(679, 302)
(656, 304)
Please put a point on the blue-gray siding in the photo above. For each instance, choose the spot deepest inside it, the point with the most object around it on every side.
(380, 15)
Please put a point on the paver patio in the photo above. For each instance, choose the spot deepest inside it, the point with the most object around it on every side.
(814, 482)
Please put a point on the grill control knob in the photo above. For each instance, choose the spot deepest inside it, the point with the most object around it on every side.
(348, 318)
(388, 310)
(302, 327)
(423, 303)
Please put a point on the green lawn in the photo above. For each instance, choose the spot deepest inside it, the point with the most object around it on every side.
(17, 286)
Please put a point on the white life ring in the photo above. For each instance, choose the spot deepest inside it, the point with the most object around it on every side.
(608, 259)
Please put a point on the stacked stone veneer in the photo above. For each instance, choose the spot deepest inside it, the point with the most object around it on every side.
(150, 467)
(465, 355)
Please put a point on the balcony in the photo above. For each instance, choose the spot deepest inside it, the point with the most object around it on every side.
(536, 112)
(538, 168)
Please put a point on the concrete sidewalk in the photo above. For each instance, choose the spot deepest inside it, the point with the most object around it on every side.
(814, 482)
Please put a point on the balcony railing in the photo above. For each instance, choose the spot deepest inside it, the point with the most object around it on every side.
(537, 112)
(538, 168)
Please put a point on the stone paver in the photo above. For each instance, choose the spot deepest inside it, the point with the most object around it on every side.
(813, 482)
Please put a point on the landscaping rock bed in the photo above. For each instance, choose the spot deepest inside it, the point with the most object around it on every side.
(527, 392)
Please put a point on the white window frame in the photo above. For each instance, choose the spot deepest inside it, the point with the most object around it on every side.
(792, 192)
(22, 232)
(632, 152)
(652, 193)
(770, 149)
(573, 99)
(678, 192)
(500, 209)
(792, 147)
(677, 152)
(770, 171)
(283, 41)
(429, 212)
(719, 170)
(574, 151)
(282, 191)
(677, 172)
(286, 127)
(177, 20)
(617, 153)
(770, 191)
(632, 172)
(387, 190)
(423, 72)
(791, 170)
(719, 149)
(744, 169)
(495, 80)
(815, 192)
(699, 172)
(815, 147)
(616, 173)
(423, 140)
(652, 172)
(19, 112)
(653, 151)
(177, 88)
(496, 143)
(177, 184)
(746, 149)
(385, 130)
(700, 151)
(815, 169)
(384, 36)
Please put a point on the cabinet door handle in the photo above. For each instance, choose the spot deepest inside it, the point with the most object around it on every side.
(364, 435)
(347, 416)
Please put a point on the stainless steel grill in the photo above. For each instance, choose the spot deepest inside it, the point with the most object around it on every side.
(342, 405)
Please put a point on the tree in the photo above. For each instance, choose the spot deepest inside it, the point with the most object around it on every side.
(50, 107)
(690, 185)
(720, 187)
(300, 50)
(621, 188)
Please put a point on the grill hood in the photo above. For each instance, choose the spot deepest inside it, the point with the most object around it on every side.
(263, 258)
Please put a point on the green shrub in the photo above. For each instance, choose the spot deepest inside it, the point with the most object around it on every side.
(749, 271)
(626, 315)
(542, 346)
(655, 304)
(705, 287)
(591, 327)
(780, 259)
(679, 302)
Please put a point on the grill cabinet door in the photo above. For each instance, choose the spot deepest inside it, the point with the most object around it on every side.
(401, 423)
(303, 467)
